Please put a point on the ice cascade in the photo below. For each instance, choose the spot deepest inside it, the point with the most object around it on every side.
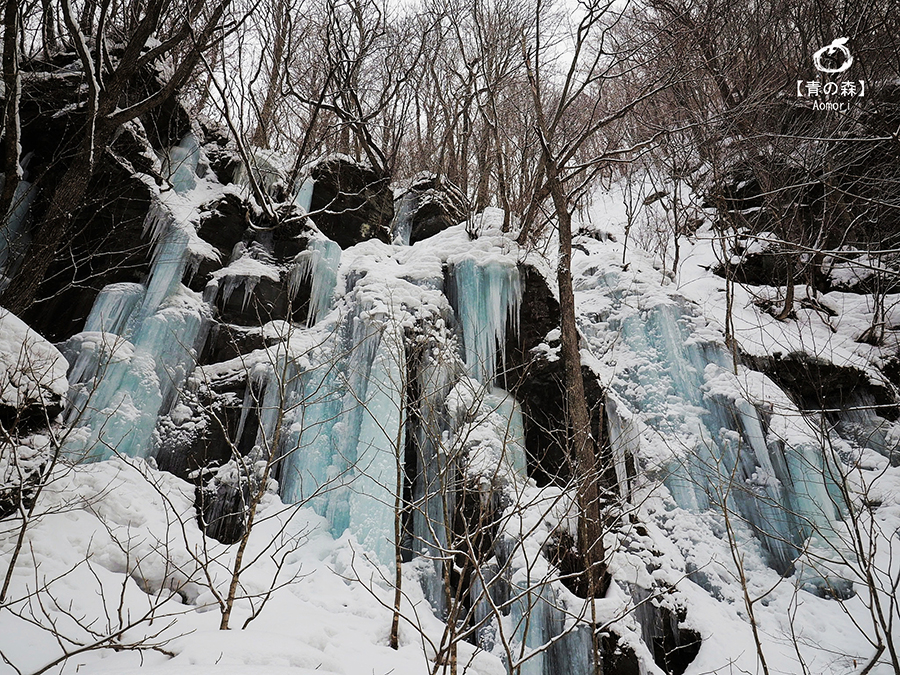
(487, 300)
(140, 341)
(714, 443)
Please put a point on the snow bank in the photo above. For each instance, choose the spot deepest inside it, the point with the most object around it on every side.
(31, 369)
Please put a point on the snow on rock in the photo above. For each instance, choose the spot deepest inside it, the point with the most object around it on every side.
(32, 371)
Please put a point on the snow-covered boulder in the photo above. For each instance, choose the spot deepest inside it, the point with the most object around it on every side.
(32, 385)
(32, 373)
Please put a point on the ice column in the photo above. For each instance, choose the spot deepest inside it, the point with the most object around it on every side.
(319, 263)
(303, 198)
(314, 407)
(433, 496)
(401, 227)
(380, 448)
(170, 255)
(344, 428)
(180, 164)
(487, 297)
(509, 426)
(114, 307)
(14, 237)
(529, 620)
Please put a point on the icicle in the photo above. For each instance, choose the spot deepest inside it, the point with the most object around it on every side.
(303, 198)
(488, 297)
(170, 255)
(14, 236)
(180, 162)
(401, 226)
(113, 308)
(624, 439)
(319, 262)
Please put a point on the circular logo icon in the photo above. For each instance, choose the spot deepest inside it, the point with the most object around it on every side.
(836, 48)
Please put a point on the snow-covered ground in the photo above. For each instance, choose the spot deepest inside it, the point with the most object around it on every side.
(115, 543)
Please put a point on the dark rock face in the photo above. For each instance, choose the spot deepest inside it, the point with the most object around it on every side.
(814, 384)
(224, 223)
(30, 417)
(538, 383)
(433, 204)
(224, 159)
(289, 236)
(562, 551)
(254, 303)
(107, 246)
(205, 428)
(355, 201)
(618, 658)
(214, 423)
(168, 122)
(209, 428)
(22, 490)
(238, 230)
(231, 220)
(222, 510)
(44, 133)
(539, 314)
(766, 268)
(227, 341)
(673, 646)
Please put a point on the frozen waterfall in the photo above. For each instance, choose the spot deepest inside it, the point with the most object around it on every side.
(487, 300)
(140, 341)
(716, 446)
(340, 406)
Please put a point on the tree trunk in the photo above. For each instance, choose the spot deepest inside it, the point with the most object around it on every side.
(789, 294)
(48, 28)
(11, 128)
(588, 476)
(590, 529)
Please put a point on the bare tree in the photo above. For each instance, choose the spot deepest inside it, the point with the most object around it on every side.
(574, 103)
(106, 111)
